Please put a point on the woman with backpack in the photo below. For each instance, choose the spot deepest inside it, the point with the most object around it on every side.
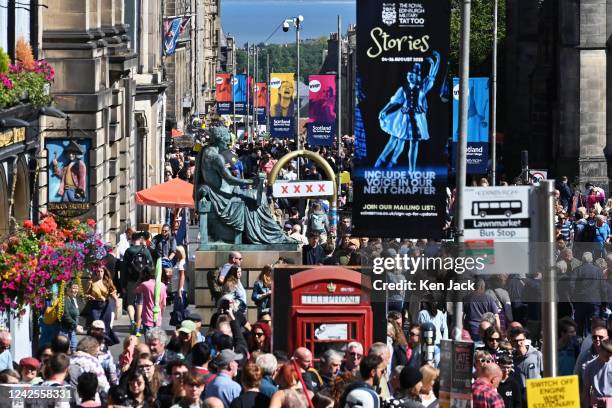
(318, 222)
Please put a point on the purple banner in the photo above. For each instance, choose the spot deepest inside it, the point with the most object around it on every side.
(322, 110)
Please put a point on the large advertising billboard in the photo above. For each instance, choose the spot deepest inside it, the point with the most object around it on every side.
(321, 110)
(223, 94)
(261, 102)
(478, 125)
(240, 94)
(401, 118)
(282, 105)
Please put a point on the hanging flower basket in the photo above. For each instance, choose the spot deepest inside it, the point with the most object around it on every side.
(36, 257)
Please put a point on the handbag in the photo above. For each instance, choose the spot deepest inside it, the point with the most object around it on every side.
(51, 314)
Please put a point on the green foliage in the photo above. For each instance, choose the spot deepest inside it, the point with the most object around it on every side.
(25, 85)
(481, 33)
(283, 58)
(4, 62)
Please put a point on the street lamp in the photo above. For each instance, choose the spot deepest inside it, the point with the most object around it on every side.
(297, 23)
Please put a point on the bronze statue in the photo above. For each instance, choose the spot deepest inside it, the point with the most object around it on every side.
(229, 213)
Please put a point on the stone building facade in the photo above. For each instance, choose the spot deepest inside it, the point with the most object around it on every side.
(96, 66)
(557, 66)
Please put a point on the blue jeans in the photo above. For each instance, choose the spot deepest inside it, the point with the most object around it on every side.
(72, 338)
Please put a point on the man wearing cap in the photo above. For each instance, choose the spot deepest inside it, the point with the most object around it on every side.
(104, 356)
(597, 390)
(73, 175)
(223, 386)
(28, 369)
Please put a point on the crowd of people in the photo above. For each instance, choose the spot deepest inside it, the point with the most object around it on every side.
(228, 361)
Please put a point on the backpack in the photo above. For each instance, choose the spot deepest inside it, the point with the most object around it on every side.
(317, 222)
(52, 313)
(139, 262)
(588, 233)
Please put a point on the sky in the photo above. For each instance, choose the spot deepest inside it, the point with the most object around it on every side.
(255, 20)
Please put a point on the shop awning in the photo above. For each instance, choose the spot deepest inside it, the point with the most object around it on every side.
(175, 193)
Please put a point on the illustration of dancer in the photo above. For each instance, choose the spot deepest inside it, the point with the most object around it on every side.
(404, 118)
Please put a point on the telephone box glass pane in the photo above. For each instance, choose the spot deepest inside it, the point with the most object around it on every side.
(308, 330)
(331, 331)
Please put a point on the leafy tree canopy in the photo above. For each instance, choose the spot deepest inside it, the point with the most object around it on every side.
(283, 58)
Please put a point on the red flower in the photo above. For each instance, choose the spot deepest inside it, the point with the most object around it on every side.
(91, 222)
(28, 224)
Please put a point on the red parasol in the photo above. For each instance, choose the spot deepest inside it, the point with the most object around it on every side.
(175, 193)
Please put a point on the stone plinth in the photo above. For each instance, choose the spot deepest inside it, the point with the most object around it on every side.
(252, 263)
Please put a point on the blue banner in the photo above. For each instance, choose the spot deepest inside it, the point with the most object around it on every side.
(478, 125)
(172, 31)
(321, 134)
(240, 94)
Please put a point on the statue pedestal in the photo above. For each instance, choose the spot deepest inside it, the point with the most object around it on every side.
(223, 247)
(254, 257)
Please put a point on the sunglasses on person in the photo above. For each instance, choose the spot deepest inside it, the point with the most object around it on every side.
(240, 259)
(596, 337)
(355, 355)
(415, 334)
(145, 366)
(493, 339)
(485, 361)
(259, 334)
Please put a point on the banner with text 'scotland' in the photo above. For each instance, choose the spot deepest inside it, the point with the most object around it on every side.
(223, 94)
(402, 118)
(282, 105)
(321, 110)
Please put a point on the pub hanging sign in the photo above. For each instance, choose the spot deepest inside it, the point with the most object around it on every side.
(68, 193)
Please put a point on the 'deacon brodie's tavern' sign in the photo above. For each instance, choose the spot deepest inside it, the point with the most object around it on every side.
(68, 176)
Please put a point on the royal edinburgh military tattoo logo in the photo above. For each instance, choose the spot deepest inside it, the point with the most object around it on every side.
(389, 14)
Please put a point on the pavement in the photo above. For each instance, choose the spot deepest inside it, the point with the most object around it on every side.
(121, 326)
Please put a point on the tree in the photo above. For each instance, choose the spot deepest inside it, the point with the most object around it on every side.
(481, 33)
(283, 58)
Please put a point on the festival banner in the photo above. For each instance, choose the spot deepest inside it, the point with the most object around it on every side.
(223, 94)
(401, 118)
(282, 105)
(478, 125)
(261, 101)
(321, 110)
(240, 94)
(173, 28)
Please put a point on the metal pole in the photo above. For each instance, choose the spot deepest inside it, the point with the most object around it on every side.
(297, 85)
(493, 127)
(546, 201)
(248, 102)
(339, 106)
(464, 75)
(268, 92)
(233, 79)
(256, 92)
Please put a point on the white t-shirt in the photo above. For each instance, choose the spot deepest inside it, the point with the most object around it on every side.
(180, 266)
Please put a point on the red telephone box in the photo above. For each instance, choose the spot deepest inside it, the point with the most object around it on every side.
(330, 308)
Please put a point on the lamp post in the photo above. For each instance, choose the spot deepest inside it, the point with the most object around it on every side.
(297, 23)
